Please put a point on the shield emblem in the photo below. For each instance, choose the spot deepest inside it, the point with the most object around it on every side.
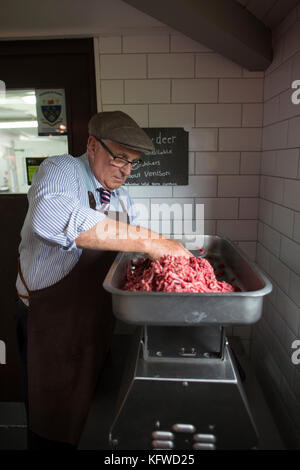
(51, 112)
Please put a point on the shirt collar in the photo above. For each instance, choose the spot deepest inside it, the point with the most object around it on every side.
(92, 177)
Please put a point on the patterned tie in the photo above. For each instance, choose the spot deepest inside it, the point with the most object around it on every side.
(104, 195)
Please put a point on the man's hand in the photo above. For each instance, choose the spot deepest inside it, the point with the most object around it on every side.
(157, 248)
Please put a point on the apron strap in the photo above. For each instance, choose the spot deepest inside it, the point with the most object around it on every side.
(92, 201)
(121, 202)
(23, 281)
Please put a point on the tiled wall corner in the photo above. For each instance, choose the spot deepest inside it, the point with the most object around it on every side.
(278, 249)
(170, 80)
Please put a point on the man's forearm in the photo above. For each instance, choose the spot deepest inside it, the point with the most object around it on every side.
(116, 236)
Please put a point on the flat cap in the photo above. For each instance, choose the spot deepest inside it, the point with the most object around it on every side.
(121, 128)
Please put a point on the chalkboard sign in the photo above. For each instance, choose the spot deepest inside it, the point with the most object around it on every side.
(168, 163)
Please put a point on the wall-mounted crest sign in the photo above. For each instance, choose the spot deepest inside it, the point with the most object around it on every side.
(51, 112)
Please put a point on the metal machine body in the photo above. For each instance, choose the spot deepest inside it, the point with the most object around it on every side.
(182, 396)
(182, 388)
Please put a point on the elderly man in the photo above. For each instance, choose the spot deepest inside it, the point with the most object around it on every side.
(78, 214)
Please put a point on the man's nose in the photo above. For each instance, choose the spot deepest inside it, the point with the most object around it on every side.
(126, 170)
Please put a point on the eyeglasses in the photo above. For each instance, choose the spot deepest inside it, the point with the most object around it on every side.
(119, 161)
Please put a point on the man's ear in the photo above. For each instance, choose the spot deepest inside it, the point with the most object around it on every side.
(91, 146)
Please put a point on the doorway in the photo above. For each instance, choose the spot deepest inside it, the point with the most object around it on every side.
(27, 66)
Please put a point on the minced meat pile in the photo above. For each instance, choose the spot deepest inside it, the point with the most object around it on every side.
(174, 274)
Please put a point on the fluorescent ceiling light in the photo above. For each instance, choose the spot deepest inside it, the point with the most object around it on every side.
(30, 99)
(18, 124)
(35, 139)
(11, 99)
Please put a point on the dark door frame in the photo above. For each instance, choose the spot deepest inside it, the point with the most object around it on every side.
(58, 63)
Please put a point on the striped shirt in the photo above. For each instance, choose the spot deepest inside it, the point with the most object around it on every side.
(58, 213)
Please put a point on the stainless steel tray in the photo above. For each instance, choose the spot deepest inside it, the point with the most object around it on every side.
(188, 309)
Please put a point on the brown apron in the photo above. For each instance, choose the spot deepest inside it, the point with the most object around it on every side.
(70, 326)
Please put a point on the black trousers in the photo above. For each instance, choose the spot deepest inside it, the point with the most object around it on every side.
(34, 441)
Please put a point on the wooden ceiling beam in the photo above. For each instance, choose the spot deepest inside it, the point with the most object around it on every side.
(222, 25)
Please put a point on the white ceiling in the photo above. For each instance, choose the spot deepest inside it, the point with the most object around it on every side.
(60, 18)
(21, 19)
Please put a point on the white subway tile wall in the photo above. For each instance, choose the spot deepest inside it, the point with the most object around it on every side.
(241, 90)
(252, 115)
(110, 45)
(215, 65)
(146, 43)
(248, 208)
(271, 111)
(250, 163)
(171, 65)
(244, 167)
(240, 138)
(195, 90)
(217, 163)
(123, 66)
(171, 115)
(147, 91)
(218, 115)
(249, 249)
(203, 139)
(238, 229)
(112, 91)
(238, 186)
(170, 80)
(278, 247)
(275, 136)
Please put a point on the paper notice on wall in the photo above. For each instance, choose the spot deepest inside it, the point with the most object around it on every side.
(51, 112)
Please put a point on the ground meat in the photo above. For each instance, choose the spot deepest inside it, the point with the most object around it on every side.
(174, 274)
